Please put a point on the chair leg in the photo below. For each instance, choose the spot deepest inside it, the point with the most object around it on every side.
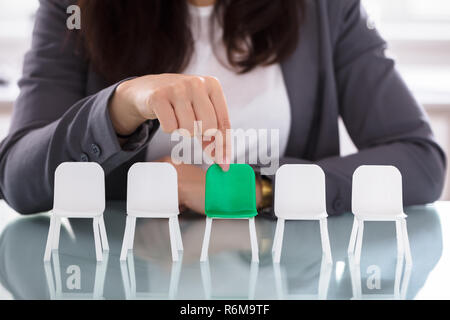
(281, 233)
(406, 243)
(98, 245)
(253, 240)
(125, 241)
(132, 232)
(400, 241)
(205, 246)
(55, 242)
(173, 239)
(279, 245)
(178, 232)
(50, 236)
(326, 248)
(359, 242)
(276, 236)
(352, 243)
(103, 234)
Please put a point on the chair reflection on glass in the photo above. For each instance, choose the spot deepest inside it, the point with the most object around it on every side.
(207, 283)
(128, 271)
(401, 281)
(55, 283)
(300, 195)
(324, 282)
(152, 192)
(377, 196)
(79, 193)
(230, 195)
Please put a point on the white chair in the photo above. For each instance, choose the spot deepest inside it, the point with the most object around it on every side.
(377, 196)
(300, 195)
(79, 193)
(152, 192)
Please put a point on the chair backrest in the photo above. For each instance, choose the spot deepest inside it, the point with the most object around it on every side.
(232, 193)
(377, 190)
(152, 188)
(79, 189)
(299, 191)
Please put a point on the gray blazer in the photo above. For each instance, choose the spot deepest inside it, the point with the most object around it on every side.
(338, 69)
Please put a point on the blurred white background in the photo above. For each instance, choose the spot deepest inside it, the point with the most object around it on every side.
(418, 32)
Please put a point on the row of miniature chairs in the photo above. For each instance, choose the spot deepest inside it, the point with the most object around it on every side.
(376, 196)
(152, 192)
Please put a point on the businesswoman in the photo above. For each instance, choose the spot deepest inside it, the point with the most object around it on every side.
(138, 70)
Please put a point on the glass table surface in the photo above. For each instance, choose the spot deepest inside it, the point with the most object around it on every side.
(149, 273)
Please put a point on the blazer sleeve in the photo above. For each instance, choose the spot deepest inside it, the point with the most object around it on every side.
(383, 119)
(53, 119)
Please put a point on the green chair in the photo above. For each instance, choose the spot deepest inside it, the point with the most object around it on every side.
(230, 195)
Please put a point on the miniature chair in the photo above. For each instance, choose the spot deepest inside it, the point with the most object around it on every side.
(300, 195)
(230, 195)
(79, 193)
(377, 196)
(152, 192)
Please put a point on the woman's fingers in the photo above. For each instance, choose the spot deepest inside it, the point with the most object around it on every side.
(166, 116)
(203, 107)
(184, 113)
(223, 138)
(178, 101)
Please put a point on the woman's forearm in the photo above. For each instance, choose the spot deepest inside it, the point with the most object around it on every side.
(29, 156)
(420, 162)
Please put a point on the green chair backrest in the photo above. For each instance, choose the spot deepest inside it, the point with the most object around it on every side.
(230, 194)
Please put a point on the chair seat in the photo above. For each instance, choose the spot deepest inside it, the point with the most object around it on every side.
(232, 215)
(301, 216)
(148, 214)
(75, 214)
(383, 217)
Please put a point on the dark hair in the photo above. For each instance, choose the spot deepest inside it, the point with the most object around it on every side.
(123, 38)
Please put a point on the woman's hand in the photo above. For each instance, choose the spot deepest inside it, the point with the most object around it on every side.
(191, 186)
(177, 101)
